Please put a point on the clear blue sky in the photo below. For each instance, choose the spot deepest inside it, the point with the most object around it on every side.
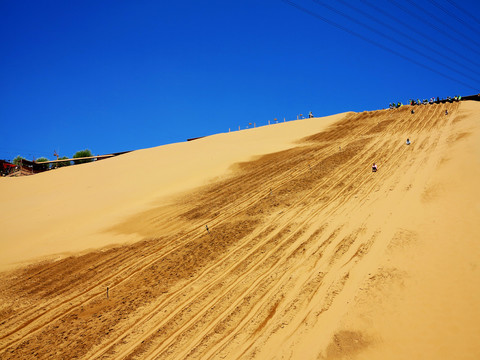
(124, 75)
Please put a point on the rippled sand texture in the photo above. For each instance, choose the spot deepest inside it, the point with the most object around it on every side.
(308, 254)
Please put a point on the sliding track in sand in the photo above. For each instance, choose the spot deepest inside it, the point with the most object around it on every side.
(292, 237)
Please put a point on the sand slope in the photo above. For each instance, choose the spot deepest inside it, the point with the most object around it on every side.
(309, 255)
(69, 209)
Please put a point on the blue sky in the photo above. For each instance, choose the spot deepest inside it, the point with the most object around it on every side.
(124, 75)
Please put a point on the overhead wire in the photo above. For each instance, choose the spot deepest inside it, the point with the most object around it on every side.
(452, 15)
(419, 33)
(373, 18)
(464, 11)
(332, 23)
(393, 40)
(445, 24)
(422, 19)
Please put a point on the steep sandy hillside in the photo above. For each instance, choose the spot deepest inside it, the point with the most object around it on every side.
(308, 255)
(70, 209)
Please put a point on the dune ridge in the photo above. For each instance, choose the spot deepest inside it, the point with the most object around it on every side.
(308, 254)
(69, 209)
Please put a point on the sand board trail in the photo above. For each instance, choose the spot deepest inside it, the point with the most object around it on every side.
(308, 254)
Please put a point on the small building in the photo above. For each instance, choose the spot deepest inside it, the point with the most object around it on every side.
(6, 168)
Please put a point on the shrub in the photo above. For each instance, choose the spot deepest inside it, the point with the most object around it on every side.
(80, 154)
(63, 163)
(18, 160)
(43, 166)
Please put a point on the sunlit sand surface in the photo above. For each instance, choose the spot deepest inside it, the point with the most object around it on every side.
(308, 254)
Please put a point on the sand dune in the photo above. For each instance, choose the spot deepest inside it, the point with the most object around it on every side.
(308, 254)
(69, 209)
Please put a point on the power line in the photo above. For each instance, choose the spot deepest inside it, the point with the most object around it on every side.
(444, 23)
(433, 40)
(452, 15)
(317, 16)
(391, 38)
(404, 34)
(456, 39)
(465, 12)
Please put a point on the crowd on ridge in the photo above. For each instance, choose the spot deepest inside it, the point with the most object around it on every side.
(432, 100)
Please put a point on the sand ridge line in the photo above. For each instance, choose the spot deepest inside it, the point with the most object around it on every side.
(392, 162)
(370, 243)
(377, 250)
(336, 194)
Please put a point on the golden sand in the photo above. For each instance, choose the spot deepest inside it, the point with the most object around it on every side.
(308, 254)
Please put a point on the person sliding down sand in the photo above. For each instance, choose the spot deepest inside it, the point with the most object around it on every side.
(374, 167)
(408, 141)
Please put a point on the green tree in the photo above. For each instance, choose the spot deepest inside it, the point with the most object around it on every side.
(18, 160)
(63, 163)
(80, 154)
(43, 166)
